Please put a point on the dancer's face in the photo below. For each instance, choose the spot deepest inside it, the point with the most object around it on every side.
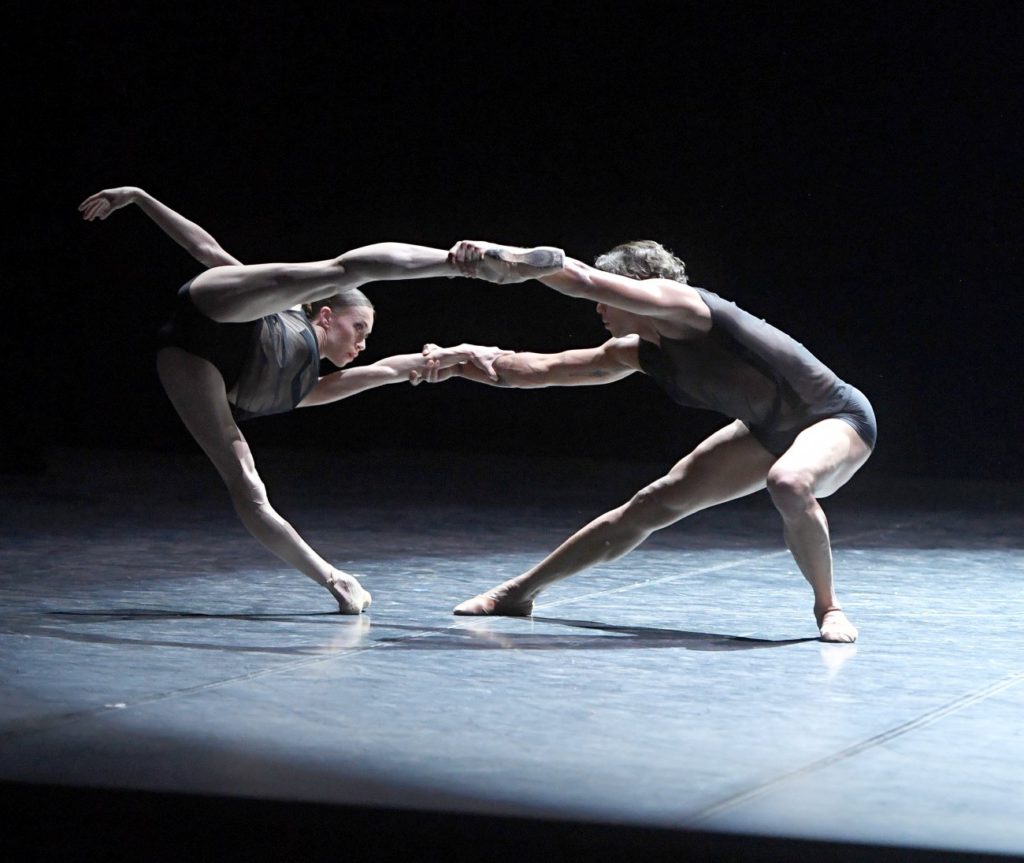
(616, 321)
(345, 333)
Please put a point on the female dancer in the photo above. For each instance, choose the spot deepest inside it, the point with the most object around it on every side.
(797, 429)
(246, 341)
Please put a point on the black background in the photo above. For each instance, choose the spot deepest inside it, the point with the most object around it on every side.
(852, 174)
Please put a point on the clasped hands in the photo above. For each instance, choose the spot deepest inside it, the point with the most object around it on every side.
(440, 363)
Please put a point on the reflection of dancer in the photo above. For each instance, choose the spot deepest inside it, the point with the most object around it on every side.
(797, 428)
(246, 341)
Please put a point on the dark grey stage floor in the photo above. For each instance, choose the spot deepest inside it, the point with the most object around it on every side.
(149, 645)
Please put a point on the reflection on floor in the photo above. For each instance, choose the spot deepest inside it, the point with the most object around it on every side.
(149, 645)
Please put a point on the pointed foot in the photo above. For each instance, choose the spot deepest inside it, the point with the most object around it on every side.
(505, 264)
(495, 604)
(518, 265)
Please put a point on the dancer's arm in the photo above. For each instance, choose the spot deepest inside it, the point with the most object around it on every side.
(605, 364)
(190, 236)
(656, 298)
(399, 369)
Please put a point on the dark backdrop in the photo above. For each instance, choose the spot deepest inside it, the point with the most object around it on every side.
(851, 174)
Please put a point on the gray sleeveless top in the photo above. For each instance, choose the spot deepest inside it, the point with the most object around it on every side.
(746, 369)
(282, 366)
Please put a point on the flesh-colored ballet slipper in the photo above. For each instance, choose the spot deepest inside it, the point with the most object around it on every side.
(486, 604)
(506, 265)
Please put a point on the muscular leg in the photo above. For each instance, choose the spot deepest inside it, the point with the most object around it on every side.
(821, 460)
(728, 465)
(245, 293)
(196, 389)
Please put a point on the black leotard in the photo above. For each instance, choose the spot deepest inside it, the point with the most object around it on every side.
(747, 369)
(269, 365)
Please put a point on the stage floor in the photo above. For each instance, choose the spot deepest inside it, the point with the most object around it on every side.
(148, 643)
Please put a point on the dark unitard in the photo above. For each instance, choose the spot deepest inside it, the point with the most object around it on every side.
(269, 365)
(751, 371)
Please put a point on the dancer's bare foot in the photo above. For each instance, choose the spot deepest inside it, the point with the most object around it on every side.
(835, 626)
(505, 264)
(349, 593)
(501, 601)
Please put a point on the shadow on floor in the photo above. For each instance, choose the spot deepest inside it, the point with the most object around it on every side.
(484, 636)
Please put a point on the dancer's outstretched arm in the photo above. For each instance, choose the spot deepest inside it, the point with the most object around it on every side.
(190, 236)
(414, 368)
(615, 359)
(656, 298)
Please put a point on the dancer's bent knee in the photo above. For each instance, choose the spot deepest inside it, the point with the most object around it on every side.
(791, 492)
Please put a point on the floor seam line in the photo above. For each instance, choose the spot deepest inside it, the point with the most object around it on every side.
(872, 742)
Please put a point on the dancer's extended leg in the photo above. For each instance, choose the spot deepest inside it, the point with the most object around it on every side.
(728, 465)
(247, 292)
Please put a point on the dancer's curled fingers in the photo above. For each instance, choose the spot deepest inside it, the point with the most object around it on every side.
(102, 204)
(482, 357)
(465, 255)
(431, 367)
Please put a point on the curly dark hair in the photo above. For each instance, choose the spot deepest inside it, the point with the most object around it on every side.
(642, 259)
